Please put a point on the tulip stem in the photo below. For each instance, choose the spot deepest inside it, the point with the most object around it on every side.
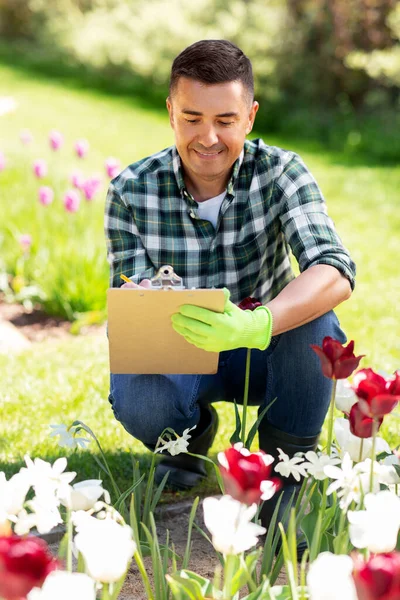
(228, 575)
(331, 418)
(106, 592)
(373, 453)
(246, 395)
(69, 541)
(360, 455)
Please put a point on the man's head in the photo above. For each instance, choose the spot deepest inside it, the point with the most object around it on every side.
(211, 107)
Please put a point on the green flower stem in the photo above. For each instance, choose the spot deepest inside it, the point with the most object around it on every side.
(106, 592)
(145, 579)
(361, 450)
(342, 523)
(246, 395)
(331, 418)
(315, 549)
(69, 541)
(229, 568)
(373, 454)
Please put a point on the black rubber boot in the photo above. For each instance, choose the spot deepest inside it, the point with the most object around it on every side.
(270, 439)
(187, 471)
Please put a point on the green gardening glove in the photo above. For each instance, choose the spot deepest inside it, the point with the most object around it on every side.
(234, 328)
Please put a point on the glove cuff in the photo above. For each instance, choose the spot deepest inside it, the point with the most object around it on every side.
(259, 329)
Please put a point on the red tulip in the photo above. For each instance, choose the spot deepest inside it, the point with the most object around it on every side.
(244, 471)
(24, 564)
(249, 303)
(361, 425)
(337, 362)
(378, 578)
(377, 396)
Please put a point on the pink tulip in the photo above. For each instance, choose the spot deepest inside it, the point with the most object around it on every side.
(77, 179)
(112, 166)
(81, 147)
(3, 161)
(25, 241)
(25, 136)
(56, 139)
(46, 195)
(72, 201)
(40, 168)
(91, 186)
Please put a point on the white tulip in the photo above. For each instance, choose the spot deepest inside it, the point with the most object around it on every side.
(13, 493)
(345, 396)
(389, 475)
(329, 578)
(61, 585)
(83, 495)
(229, 522)
(106, 546)
(351, 443)
(376, 528)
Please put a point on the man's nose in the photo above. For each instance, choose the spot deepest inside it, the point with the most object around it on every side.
(208, 136)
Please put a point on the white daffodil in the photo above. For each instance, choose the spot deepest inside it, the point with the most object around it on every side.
(83, 495)
(44, 516)
(68, 437)
(177, 446)
(61, 585)
(7, 105)
(106, 546)
(330, 577)
(229, 522)
(376, 528)
(13, 493)
(42, 474)
(290, 466)
(351, 483)
(351, 444)
(345, 396)
(317, 463)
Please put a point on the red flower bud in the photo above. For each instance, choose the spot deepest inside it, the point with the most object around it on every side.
(24, 564)
(243, 471)
(378, 578)
(378, 396)
(249, 303)
(337, 362)
(360, 424)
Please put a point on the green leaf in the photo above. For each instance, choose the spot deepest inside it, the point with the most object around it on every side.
(192, 515)
(186, 585)
(63, 547)
(309, 521)
(235, 437)
(254, 428)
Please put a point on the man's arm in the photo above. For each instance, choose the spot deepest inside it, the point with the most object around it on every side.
(312, 294)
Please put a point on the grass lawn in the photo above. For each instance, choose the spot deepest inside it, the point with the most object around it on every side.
(61, 382)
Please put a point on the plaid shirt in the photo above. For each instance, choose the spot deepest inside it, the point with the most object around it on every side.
(272, 204)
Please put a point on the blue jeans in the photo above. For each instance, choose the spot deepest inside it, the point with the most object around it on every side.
(288, 370)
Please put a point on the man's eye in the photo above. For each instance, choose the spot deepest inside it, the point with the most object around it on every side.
(191, 120)
(226, 122)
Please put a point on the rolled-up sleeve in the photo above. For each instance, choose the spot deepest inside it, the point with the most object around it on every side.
(125, 251)
(306, 225)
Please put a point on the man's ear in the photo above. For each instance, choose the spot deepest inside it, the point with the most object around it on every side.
(170, 111)
(252, 116)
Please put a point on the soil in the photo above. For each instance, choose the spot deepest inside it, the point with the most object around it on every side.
(37, 326)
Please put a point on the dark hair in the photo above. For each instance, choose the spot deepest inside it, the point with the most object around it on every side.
(213, 61)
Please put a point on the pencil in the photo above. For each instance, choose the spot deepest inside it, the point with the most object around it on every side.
(125, 279)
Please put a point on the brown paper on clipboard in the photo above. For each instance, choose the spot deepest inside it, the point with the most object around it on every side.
(141, 337)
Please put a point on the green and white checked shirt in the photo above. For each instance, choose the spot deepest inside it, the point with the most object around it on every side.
(272, 205)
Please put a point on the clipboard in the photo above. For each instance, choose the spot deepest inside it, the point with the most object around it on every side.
(140, 334)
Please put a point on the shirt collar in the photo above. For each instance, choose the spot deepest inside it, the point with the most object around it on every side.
(177, 166)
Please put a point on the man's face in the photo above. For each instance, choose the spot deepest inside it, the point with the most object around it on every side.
(210, 123)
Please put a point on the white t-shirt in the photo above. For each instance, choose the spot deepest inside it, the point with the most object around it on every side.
(209, 209)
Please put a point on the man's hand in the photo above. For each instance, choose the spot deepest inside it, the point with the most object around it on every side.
(234, 328)
(146, 283)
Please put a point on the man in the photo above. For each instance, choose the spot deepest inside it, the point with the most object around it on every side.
(224, 211)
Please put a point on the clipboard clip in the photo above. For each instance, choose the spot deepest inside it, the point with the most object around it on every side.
(166, 279)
